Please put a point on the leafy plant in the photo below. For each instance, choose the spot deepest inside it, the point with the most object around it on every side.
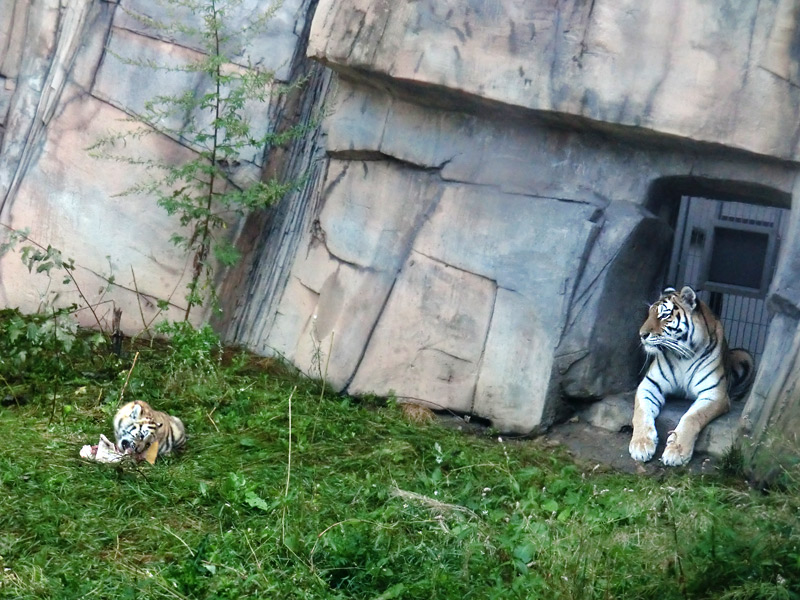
(200, 191)
(47, 342)
(192, 348)
(51, 261)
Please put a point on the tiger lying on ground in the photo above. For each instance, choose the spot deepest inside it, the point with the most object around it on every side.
(137, 426)
(690, 358)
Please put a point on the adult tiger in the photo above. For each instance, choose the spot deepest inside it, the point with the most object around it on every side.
(137, 426)
(690, 358)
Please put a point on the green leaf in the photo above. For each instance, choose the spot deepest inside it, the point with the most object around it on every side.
(255, 501)
(45, 267)
(436, 476)
(550, 506)
(292, 543)
(21, 357)
(97, 339)
(525, 552)
(395, 591)
(32, 332)
(227, 254)
(16, 328)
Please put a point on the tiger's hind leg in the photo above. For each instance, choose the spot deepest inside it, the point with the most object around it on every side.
(680, 443)
(648, 403)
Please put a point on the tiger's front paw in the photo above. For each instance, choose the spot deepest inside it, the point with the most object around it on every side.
(643, 447)
(676, 454)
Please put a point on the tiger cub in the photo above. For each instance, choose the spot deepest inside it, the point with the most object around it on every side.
(690, 358)
(137, 426)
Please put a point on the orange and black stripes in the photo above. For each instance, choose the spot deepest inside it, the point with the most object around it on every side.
(690, 358)
(137, 426)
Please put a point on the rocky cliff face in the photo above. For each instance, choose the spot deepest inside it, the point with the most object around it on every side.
(488, 201)
(488, 237)
(483, 263)
(67, 78)
(697, 70)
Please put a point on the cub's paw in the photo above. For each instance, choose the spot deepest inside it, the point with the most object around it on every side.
(642, 447)
(676, 454)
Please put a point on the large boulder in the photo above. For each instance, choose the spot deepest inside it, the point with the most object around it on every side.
(428, 215)
(600, 353)
(702, 71)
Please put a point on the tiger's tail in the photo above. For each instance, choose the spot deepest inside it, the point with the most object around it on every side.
(742, 372)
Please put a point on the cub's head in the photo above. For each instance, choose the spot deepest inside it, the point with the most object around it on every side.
(134, 430)
(670, 325)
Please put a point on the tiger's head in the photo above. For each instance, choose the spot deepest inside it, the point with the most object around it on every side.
(671, 324)
(135, 432)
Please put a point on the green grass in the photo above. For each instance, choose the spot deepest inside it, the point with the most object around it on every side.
(285, 492)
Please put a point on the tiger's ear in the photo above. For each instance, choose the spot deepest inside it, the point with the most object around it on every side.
(136, 411)
(668, 290)
(689, 297)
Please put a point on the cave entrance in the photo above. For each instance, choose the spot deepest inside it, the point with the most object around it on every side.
(727, 251)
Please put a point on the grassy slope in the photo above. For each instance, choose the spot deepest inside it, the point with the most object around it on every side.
(364, 505)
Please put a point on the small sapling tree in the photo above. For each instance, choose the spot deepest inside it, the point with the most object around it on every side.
(214, 123)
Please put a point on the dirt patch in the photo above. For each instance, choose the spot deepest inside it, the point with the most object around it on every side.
(608, 448)
(593, 444)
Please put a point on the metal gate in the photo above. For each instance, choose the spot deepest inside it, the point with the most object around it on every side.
(727, 252)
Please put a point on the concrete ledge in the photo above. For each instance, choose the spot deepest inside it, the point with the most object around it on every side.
(614, 414)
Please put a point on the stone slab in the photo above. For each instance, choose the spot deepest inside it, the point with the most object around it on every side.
(510, 239)
(373, 211)
(270, 46)
(784, 292)
(126, 80)
(64, 203)
(689, 69)
(356, 118)
(429, 339)
(516, 367)
(523, 156)
(332, 343)
(599, 353)
(292, 317)
(614, 414)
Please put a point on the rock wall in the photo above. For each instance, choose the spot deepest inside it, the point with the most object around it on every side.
(772, 414)
(65, 82)
(530, 146)
(483, 263)
(495, 201)
(699, 70)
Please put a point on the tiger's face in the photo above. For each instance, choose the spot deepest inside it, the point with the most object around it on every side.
(136, 433)
(138, 427)
(670, 326)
